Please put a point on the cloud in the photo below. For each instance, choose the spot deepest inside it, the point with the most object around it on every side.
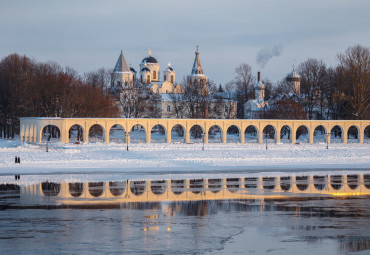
(264, 55)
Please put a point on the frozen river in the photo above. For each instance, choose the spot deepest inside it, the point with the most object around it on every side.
(330, 226)
(327, 218)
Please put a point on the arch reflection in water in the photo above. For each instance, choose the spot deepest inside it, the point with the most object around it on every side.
(50, 189)
(214, 185)
(117, 188)
(319, 182)
(233, 184)
(268, 183)
(76, 189)
(196, 185)
(203, 189)
(158, 187)
(138, 187)
(302, 182)
(285, 183)
(367, 180)
(336, 181)
(250, 182)
(96, 188)
(177, 186)
(352, 181)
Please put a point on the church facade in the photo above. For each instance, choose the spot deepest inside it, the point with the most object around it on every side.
(125, 78)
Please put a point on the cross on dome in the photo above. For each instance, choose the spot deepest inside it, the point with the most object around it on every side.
(150, 52)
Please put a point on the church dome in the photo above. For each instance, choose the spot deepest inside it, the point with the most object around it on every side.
(132, 70)
(293, 74)
(150, 60)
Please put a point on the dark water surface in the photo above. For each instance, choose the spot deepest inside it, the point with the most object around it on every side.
(289, 226)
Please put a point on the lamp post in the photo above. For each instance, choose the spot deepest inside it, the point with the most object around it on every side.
(48, 135)
(127, 135)
(327, 140)
(203, 135)
(266, 140)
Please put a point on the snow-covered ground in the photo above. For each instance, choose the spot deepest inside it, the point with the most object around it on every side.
(177, 158)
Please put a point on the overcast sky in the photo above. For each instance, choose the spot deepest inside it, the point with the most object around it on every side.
(87, 35)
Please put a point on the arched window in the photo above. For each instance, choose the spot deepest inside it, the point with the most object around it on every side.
(154, 75)
(168, 108)
(148, 78)
(172, 78)
(164, 77)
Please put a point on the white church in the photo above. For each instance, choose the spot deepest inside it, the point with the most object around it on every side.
(124, 77)
(256, 108)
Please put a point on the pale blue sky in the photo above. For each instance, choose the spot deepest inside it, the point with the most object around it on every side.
(87, 35)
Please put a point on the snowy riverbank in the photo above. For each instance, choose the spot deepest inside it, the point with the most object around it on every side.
(178, 158)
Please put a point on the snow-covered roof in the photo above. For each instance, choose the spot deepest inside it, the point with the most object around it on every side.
(293, 74)
(259, 85)
(197, 69)
(121, 65)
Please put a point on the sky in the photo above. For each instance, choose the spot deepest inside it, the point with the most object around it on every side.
(269, 35)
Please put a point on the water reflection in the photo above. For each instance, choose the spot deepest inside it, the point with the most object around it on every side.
(303, 214)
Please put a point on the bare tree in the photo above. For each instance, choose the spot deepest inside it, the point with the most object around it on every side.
(312, 73)
(354, 66)
(244, 81)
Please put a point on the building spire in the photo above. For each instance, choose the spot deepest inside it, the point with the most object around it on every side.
(197, 66)
(121, 65)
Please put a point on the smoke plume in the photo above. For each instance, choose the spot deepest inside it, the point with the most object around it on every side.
(264, 55)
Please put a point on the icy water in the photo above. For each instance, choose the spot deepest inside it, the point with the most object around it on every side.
(205, 227)
(291, 225)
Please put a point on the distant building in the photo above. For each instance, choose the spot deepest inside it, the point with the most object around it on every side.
(255, 108)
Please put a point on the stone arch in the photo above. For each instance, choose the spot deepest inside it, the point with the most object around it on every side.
(250, 182)
(117, 188)
(269, 132)
(319, 182)
(285, 183)
(158, 133)
(137, 133)
(76, 189)
(137, 187)
(336, 181)
(233, 134)
(96, 133)
(232, 184)
(335, 132)
(50, 133)
(302, 134)
(196, 185)
(76, 133)
(319, 134)
(50, 189)
(268, 183)
(366, 134)
(96, 188)
(196, 133)
(353, 134)
(251, 134)
(215, 134)
(177, 133)
(286, 133)
(117, 134)
(353, 181)
(302, 182)
(177, 186)
(158, 187)
(214, 185)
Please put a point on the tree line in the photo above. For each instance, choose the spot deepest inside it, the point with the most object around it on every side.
(338, 92)
(35, 89)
